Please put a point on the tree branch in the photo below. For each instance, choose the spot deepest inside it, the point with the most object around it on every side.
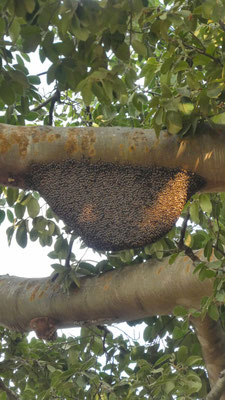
(218, 389)
(181, 245)
(21, 146)
(212, 340)
(135, 292)
(10, 394)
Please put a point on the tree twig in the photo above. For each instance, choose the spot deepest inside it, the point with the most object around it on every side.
(222, 25)
(55, 98)
(45, 103)
(72, 238)
(182, 246)
(10, 394)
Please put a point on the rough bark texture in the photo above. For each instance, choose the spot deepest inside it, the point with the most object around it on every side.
(203, 154)
(212, 339)
(218, 390)
(151, 288)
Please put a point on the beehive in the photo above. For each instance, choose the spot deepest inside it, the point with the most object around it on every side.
(114, 207)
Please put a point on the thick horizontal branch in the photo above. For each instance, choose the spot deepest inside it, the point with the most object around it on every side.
(135, 292)
(22, 146)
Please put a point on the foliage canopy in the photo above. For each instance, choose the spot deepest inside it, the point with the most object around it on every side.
(135, 63)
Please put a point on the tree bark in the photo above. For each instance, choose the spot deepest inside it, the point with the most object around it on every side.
(22, 146)
(134, 292)
(212, 340)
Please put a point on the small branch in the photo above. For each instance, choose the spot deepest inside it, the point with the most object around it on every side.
(43, 104)
(218, 389)
(131, 22)
(222, 25)
(183, 229)
(56, 98)
(10, 394)
(67, 263)
(201, 51)
(88, 111)
(42, 73)
(182, 247)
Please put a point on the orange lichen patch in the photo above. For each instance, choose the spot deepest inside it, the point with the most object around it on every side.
(21, 139)
(132, 148)
(41, 294)
(159, 270)
(38, 136)
(147, 150)
(92, 152)
(71, 145)
(188, 269)
(87, 142)
(87, 214)
(51, 138)
(32, 297)
(105, 288)
(4, 144)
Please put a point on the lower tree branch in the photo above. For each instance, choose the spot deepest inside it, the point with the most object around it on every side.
(218, 389)
(134, 292)
(212, 339)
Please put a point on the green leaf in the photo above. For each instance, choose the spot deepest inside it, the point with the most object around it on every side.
(139, 47)
(21, 236)
(87, 93)
(19, 77)
(33, 235)
(208, 249)
(186, 106)
(180, 311)
(205, 203)
(19, 210)
(178, 333)
(194, 360)
(2, 216)
(10, 216)
(33, 208)
(181, 66)
(174, 122)
(213, 312)
(39, 223)
(12, 195)
(219, 118)
(2, 26)
(194, 212)
(31, 36)
(182, 354)
(14, 30)
(75, 279)
(7, 93)
(123, 52)
(29, 5)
